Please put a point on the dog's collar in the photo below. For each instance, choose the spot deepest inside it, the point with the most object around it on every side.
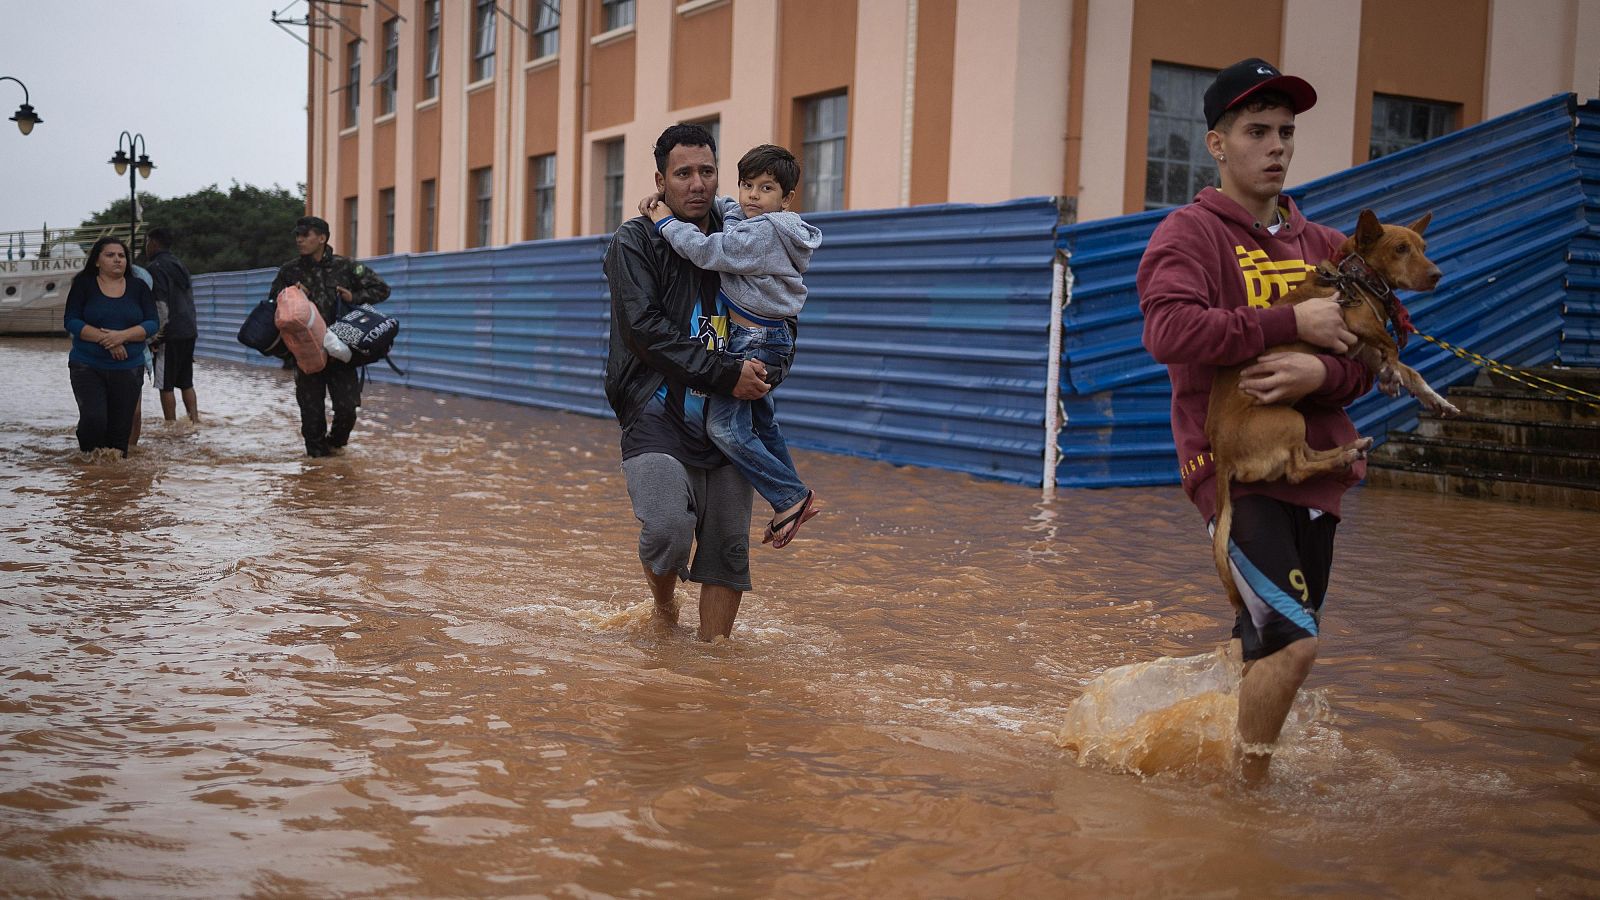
(1358, 281)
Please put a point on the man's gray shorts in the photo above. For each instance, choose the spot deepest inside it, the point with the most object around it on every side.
(680, 508)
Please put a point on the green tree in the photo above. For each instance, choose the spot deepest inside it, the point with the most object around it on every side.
(244, 227)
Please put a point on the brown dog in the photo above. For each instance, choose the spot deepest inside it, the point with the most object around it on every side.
(1255, 442)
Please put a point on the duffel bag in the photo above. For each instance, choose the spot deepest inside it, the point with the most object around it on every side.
(260, 333)
(369, 334)
(302, 329)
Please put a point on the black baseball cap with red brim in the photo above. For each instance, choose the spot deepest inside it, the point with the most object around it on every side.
(1242, 80)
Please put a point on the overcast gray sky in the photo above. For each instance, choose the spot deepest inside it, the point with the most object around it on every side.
(218, 92)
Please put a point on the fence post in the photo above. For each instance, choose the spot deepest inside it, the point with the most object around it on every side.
(1060, 296)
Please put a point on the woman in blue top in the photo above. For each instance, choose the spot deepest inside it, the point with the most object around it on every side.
(109, 316)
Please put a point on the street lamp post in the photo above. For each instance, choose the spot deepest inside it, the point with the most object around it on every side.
(125, 162)
(25, 117)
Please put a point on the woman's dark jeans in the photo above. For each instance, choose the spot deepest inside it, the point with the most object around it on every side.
(106, 400)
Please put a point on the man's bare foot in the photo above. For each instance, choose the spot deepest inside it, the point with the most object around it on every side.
(666, 614)
(1255, 768)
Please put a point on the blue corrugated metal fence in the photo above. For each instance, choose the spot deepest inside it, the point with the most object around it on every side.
(921, 343)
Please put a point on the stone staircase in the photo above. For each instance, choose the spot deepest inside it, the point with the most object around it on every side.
(1509, 443)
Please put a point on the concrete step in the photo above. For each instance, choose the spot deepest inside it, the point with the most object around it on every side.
(1520, 405)
(1472, 483)
(1511, 442)
(1419, 451)
(1581, 436)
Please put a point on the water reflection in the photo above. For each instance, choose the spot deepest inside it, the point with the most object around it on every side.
(426, 667)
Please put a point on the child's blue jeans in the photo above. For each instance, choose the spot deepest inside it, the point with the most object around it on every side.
(746, 431)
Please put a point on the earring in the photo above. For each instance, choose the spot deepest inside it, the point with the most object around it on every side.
(1222, 157)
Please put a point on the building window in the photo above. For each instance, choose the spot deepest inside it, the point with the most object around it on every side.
(823, 151)
(430, 215)
(350, 224)
(1401, 122)
(1177, 165)
(542, 177)
(386, 209)
(430, 50)
(714, 126)
(546, 28)
(615, 14)
(352, 84)
(483, 40)
(482, 205)
(389, 80)
(615, 169)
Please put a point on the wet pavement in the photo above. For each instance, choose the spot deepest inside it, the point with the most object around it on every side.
(426, 668)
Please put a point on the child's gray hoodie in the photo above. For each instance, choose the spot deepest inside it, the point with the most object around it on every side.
(761, 259)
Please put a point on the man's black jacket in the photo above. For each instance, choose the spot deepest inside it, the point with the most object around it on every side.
(174, 293)
(653, 295)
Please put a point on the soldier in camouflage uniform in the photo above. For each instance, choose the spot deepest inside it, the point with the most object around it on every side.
(333, 283)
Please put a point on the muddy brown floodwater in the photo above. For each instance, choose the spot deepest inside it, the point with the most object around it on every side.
(424, 668)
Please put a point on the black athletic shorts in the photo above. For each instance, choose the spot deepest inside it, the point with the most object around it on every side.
(174, 365)
(1281, 556)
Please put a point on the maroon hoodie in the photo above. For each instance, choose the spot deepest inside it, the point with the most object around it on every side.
(1205, 284)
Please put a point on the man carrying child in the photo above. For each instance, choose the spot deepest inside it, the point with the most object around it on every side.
(762, 252)
(664, 360)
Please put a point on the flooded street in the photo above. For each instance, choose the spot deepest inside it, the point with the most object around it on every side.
(425, 668)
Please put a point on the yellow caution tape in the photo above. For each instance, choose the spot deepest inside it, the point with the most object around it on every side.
(1523, 376)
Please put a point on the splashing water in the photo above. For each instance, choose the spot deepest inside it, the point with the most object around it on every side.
(1170, 715)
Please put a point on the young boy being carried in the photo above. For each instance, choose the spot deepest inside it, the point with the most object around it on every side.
(761, 253)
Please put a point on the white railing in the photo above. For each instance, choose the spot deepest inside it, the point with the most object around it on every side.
(60, 243)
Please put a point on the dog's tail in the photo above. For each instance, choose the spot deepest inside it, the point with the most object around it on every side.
(1219, 538)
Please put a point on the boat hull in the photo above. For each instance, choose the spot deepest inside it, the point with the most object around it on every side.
(33, 294)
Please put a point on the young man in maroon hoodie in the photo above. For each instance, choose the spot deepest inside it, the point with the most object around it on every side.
(1205, 284)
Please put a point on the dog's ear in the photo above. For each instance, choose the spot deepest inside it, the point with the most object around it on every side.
(1421, 225)
(1368, 229)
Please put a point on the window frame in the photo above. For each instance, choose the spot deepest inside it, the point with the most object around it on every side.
(352, 87)
(542, 196)
(430, 49)
(386, 207)
(1450, 112)
(352, 222)
(483, 33)
(546, 30)
(713, 125)
(428, 210)
(813, 142)
(389, 92)
(1178, 112)
(613, 181)
(612, 13)
(482, 181)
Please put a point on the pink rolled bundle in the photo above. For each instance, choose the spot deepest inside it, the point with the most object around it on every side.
(302, 329)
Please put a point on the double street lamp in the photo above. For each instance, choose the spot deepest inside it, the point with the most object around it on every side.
(25, 117)
(125, 162)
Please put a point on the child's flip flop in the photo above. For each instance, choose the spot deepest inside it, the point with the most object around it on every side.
(783, 532)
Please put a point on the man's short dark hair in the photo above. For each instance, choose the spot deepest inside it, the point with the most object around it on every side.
(770, 159)
(682, 134)
(162, 235)
(311, 223)
(1256, 103)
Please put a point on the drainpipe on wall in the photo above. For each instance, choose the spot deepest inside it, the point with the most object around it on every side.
(908, 103)
(1054, 417)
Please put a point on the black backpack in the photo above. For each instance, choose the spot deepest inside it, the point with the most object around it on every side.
(260, 333)
(369, 334)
